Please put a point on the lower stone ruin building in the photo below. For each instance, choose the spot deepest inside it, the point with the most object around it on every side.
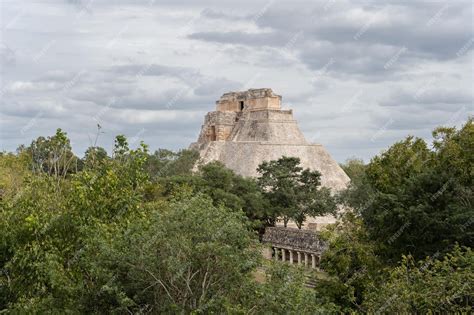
(250, 127)
(302, 247)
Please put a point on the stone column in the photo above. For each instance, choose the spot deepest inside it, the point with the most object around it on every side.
(276, 253)
(291, 256)
(306, 259)
(313, 261)
(299, 257)
(283, 254)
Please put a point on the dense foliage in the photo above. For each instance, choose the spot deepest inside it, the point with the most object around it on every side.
(406, 245)
(133, 232)
(141, 232)
(416, 200)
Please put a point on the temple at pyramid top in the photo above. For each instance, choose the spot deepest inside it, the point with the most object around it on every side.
(253, 99)
(252, 115)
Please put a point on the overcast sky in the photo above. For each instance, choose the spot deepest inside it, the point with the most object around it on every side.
(359, 75)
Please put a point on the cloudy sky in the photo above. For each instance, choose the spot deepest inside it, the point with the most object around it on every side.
(359, 75)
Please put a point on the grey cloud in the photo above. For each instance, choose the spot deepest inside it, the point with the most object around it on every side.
(156, 70)
(436, 29)
(170, 99)
(268, 57)
(29, 109)
(432, 98)
(7, 56)
(412, 118)
(365, 62)
(214, 87)
(236, 37)
(225, 15)
(55, 76)
(363, 48)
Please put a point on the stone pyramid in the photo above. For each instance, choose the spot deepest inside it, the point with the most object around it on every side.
(250, 127)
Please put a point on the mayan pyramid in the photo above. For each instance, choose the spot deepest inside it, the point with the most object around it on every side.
(250, 127)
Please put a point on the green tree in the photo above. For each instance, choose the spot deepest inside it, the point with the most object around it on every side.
(113, 188)
(188, 256)
(350, 263)
(434, 285)
(14, 169)
(94, 156)
(422, 198)
(359, 193)
(293, 192)
(354, 168)
(284, 291)
(36, 238)
(224, 187)
(165, 163)
(45, 230)
(53, 155)
(235, 192)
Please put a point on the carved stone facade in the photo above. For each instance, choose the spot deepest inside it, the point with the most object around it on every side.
(250, 127)
(303, 247)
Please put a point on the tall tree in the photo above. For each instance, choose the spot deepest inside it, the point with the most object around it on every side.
(354, 168)
(423, 198)
(225, 188)
(293, 192)
(350, 263)
(94, 156)
(188, 255)
(164, 163)
(53, 155)
(435, 285)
